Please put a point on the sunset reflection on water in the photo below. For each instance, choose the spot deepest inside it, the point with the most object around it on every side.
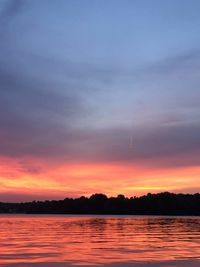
(45, 240)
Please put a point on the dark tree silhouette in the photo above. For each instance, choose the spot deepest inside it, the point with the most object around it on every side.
(151, 204)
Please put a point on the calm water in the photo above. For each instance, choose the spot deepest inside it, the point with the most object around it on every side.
(61, 241)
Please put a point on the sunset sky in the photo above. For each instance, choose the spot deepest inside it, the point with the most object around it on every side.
(99, 96)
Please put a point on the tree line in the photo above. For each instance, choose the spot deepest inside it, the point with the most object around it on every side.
(151, 204)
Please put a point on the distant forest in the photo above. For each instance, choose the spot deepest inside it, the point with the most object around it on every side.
(150, 204)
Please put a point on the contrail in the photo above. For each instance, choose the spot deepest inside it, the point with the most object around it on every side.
(131, 141)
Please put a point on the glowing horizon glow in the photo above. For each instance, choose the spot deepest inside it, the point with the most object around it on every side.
(75, 180)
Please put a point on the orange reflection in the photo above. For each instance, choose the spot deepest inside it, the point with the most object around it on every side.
(87, 240)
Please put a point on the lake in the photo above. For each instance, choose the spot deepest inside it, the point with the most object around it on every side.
(61, 241)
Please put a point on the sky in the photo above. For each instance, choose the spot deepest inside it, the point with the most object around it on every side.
(99, 97)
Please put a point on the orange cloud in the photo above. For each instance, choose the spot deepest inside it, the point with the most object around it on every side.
(46, 181)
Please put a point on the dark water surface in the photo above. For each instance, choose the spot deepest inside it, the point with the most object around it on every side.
(61, 241)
